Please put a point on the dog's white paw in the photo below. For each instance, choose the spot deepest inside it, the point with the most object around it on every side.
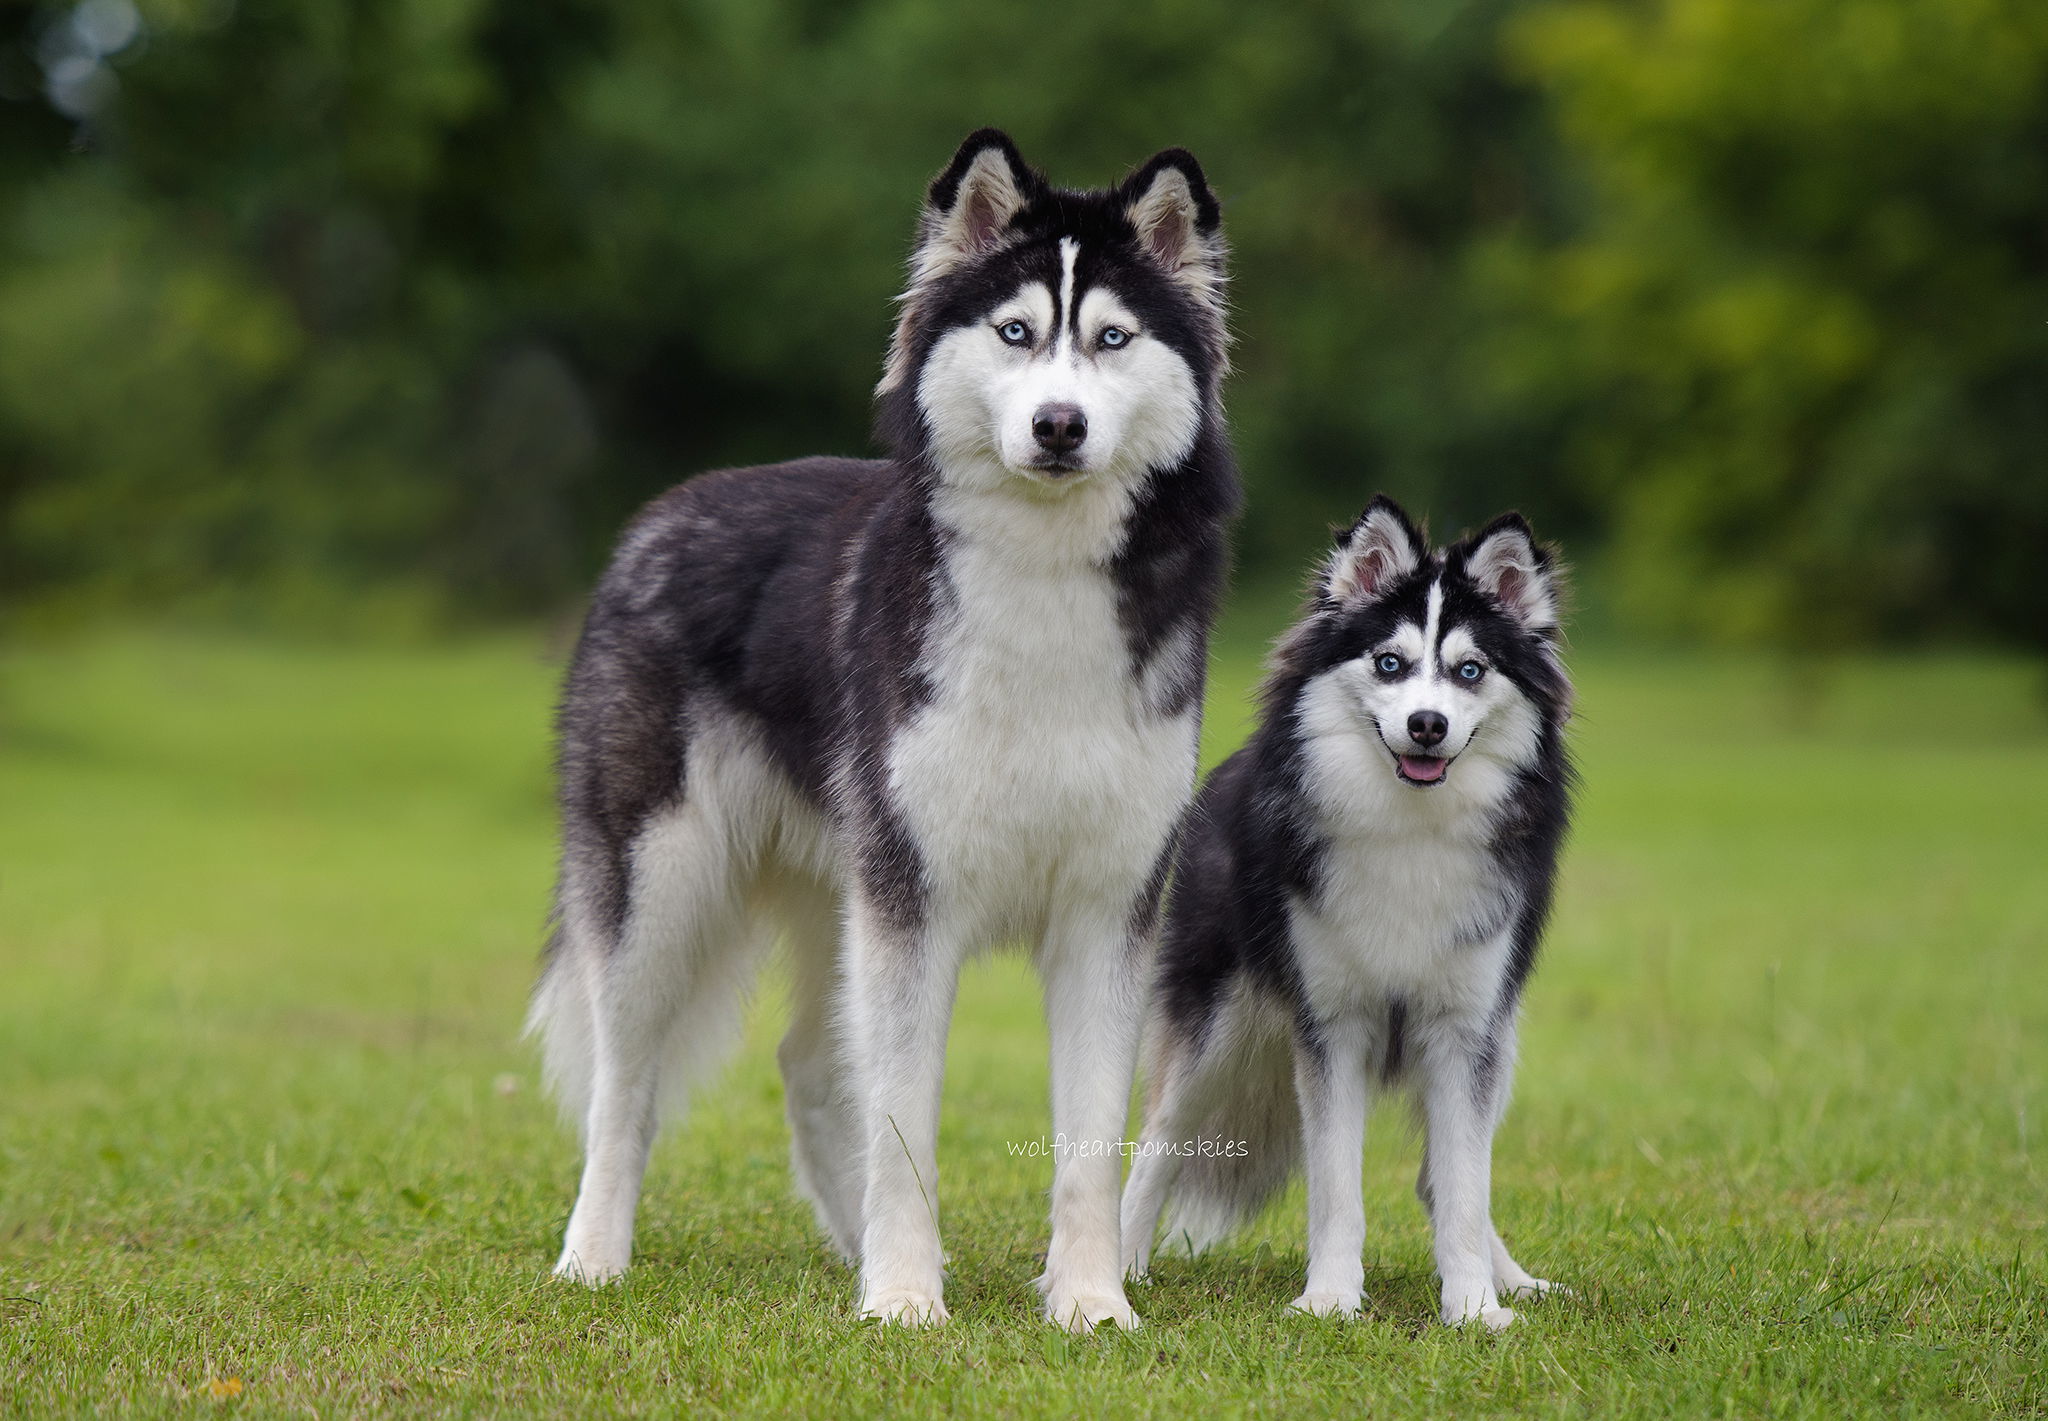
(1328, 1304)
(1084, 1312)
(1493, 1319)
(904, 1307)
(1524, 1290)
(593, 1269)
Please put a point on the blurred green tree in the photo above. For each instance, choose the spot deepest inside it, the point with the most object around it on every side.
(267, 309)
(1799, 337)
(315, 301)
(346, 310)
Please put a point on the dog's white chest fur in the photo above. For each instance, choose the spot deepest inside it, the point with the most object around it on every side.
(1412, 904)
(1419, 918)
(1037, 777)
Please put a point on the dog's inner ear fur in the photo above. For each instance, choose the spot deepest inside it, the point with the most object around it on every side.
(1378, 552)
(1506, 566)
(990, 194)
(1164, 216)
(1168, 220)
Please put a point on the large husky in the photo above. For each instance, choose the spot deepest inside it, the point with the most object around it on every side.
(1357, 901)
(893, 713)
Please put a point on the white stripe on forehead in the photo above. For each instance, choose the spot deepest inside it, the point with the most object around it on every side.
(1432, 626)
(1070, 248)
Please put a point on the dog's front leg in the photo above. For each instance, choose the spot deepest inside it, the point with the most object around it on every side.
(1330, 1080)
(900, 987)
(1095, 976)
(1462, 1076)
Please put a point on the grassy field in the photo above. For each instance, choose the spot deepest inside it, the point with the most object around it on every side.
(269, 1142)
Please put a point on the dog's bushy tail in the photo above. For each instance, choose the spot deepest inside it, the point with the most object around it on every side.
(563, 1018)
(1246, 1126)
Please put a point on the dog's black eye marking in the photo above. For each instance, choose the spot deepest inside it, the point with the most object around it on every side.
(1014, 333)
(1469, 673)
(1115, 338)
(1388, 664)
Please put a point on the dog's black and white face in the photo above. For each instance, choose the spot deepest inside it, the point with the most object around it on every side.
(1444, 666)
(1051, 338)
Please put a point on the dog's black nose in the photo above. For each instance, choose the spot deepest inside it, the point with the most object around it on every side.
(1428, 727)
(1059, 429)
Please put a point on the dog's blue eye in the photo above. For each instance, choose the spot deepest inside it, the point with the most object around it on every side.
(1016, 332)
(1116, 336)
(1390, 665)
(1470, 671)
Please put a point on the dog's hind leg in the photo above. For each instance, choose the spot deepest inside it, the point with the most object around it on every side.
(824, 1130)
(1514, 1281)
(663, 1001)
(618, 1133)
(1158, 1155)
(1510, 1279)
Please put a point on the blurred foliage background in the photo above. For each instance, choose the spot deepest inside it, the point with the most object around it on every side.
(383, 314)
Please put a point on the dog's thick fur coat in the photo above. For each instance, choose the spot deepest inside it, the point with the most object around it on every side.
(895, 712)
(1357, 902)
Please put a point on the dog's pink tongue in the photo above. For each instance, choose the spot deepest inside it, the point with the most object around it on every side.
(1422, 767)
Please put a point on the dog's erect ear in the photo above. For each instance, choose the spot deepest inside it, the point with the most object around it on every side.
(970, 205)
(1177, 219)
(1508, 566)
(967, 213)
(1374, 553)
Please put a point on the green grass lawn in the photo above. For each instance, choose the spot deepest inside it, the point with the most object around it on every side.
(269, 1141)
